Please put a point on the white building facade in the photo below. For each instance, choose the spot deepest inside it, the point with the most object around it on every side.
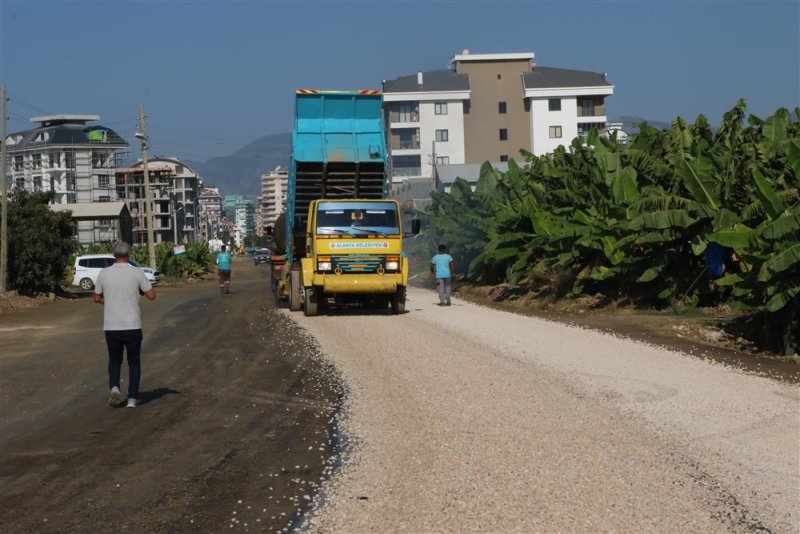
(184, 195)
(71, 159)
(424, 116)
(274, 187)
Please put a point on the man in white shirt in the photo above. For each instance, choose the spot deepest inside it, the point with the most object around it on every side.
(118, 287)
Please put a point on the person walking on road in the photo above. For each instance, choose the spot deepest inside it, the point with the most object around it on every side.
(443, 268)
(224, 260)
(118, 288)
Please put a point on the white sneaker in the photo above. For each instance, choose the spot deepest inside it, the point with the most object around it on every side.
(132, 403)
(115, 398)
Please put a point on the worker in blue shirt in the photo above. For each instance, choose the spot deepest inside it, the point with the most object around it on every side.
(224, 260)
(443, 268)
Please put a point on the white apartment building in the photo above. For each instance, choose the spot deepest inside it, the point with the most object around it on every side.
(424, 116)
(184, 194)
(274, 187)
(211, 215)
(71, 159)
(487, 107)
(564, 104)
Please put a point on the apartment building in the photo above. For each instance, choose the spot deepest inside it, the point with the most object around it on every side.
(211, 213)
(487, 107)
(424, 116)
(242, 213)
(130, 189)
(73, 160)
(184, 194)
(274, 186)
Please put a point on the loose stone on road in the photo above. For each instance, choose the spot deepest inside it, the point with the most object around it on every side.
(468, 418)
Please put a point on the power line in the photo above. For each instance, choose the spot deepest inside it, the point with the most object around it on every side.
(14, 98)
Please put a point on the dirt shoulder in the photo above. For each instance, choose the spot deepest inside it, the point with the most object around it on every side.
(234, 428)
(694, 332)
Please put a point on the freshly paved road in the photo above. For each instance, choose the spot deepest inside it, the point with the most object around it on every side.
(234, 428)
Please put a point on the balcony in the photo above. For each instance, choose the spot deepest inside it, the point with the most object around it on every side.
(405, 172)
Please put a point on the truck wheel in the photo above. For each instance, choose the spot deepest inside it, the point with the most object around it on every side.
(294, 291)
(399, 301)
(311, 302)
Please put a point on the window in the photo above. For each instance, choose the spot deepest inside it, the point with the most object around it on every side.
(443, 160)
(37, 183)
(72, 181)
(72, 198)
(554, 104)
(503, 134)
(69, 160)
(20, 183)
(37, 161)
(440, 108)
(499, 76)
(405, 113)
(466, 107)
(503, 157)
(104, 199)
(442, 136)
(102, 182)
(104, 222)
(555, 132)
(587, 107)
(18, 163)
(501, 107)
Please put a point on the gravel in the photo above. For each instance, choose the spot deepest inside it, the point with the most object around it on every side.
(471, 419)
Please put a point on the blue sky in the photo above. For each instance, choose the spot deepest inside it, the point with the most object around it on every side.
(215, 75)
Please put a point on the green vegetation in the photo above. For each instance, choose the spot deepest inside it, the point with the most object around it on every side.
(634, 222)
(194, 263)
(40, 242)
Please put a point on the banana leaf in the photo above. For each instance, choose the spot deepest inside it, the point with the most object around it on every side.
(779, 263)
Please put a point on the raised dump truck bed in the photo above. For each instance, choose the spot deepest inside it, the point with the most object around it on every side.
(338, 150)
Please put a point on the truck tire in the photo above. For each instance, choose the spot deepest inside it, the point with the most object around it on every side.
(311, 302)
(399, 301)
(294, 291)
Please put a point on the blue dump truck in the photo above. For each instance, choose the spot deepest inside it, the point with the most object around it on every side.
(342, 235)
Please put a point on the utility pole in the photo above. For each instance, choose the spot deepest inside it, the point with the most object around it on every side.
(148, 195)
(4, 192)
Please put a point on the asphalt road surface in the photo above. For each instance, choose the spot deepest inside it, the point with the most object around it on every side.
(234, 428)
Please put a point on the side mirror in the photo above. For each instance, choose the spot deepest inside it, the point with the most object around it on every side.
(416, 225)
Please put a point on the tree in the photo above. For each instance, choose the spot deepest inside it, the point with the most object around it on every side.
(40, 242)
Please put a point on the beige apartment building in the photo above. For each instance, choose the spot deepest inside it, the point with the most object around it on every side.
(486, 107)
(497, 116)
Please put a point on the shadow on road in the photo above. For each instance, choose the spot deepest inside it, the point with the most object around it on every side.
(149, 396)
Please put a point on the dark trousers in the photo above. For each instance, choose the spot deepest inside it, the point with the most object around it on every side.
(119, 341)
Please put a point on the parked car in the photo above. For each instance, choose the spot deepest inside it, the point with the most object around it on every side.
(261, 256)
(88, 267)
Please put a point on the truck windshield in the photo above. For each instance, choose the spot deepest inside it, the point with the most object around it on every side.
(357, 218)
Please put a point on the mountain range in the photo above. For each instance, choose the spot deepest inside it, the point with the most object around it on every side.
(240, 172)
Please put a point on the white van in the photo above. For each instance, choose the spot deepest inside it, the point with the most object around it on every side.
(87, 268)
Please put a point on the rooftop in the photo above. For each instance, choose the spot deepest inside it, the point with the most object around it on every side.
(432, 81)
(92, 210)
(63, 130)
(513, 56)
(551, 77)
(48, 120)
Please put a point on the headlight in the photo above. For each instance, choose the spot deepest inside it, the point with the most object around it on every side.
(324, 266)
(392, 265)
